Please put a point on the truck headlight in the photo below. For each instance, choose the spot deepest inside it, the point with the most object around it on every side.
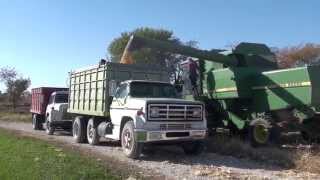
(154, 112)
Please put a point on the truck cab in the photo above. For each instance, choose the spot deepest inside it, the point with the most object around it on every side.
(56, 112)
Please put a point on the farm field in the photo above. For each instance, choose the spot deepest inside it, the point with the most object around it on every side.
(28, 158)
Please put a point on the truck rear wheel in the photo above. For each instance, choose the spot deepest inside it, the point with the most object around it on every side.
(49, 128)
(36, 125)
(92, 133)
(130, 146)
(193, 148)
(79, 130)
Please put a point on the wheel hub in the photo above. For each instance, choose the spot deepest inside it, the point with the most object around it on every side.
(261, 133)
(75, 130)
(90, 131)
(127, 139)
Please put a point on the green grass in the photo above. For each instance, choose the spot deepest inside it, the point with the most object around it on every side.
(27, 158)
(15, 117)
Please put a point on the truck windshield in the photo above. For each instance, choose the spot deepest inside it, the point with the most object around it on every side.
(155, 90)
(61, 98)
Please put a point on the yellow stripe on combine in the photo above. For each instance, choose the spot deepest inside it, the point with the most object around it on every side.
(230, 89)
(285, 85)
(273, 86)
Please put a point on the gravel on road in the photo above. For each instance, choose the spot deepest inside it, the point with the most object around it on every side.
(168, 162)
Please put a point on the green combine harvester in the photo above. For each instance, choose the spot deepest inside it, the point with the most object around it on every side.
(245, 91)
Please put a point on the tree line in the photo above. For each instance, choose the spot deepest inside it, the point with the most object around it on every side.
(15, 84)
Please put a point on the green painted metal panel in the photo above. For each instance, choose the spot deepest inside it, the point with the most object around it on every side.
(230, 82)
(90, 88)
(281, 89)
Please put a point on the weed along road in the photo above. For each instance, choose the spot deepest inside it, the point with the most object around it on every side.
(163, 162)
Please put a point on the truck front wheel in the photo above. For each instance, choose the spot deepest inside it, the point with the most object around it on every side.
(130, 146)
(92, 133)
(79, 130)
(49, 128)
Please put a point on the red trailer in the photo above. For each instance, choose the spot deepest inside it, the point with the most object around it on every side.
(39, 101)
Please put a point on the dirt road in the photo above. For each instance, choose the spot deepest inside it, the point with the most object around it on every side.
(167, 162)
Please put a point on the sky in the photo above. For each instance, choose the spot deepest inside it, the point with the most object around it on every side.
(46, 39)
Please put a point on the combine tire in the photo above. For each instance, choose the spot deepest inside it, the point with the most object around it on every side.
(130, 146)
(275, 134)
(79, 129)
(193, 148)
(310, 138)
(259, 134)
(92, 133)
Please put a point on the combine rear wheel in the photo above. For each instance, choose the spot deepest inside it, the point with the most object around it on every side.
(193, 148)
(310, 130)
(259, 133)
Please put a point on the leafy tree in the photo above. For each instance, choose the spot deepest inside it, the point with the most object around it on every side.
(303, 54)
(7, 74)
(145, 54)
(15, 84)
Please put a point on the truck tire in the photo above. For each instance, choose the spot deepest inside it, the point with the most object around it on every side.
(36, 125)
(130, 146)
(193, 148)
(79, 130)
(49, 128)
(259, 134)
(92, 133)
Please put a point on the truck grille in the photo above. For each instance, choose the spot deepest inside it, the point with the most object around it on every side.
(174, 112)
(168, 127)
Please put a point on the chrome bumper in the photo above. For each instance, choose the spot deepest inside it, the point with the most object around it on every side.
(172, 135)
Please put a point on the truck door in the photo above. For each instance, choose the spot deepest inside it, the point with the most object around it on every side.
(117, 108)
(53, 108)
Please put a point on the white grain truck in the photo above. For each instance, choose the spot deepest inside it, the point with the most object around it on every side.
(134, 104)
